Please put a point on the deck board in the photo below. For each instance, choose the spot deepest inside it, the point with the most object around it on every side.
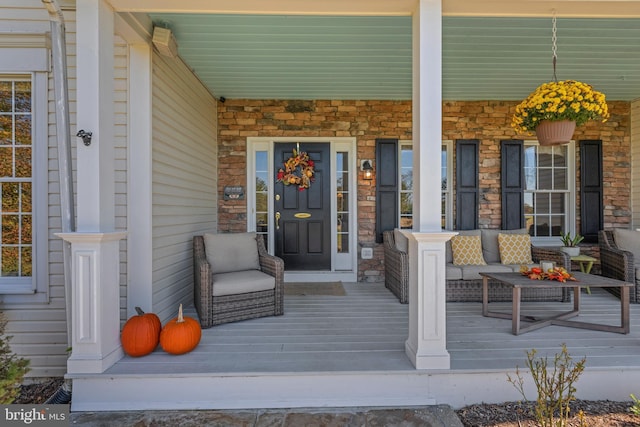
(366, 329)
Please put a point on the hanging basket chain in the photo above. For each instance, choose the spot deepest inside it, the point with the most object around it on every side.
(554, 41)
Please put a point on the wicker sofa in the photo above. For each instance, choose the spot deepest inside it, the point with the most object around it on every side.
(238, 281)
(464, 283)
(620, 258)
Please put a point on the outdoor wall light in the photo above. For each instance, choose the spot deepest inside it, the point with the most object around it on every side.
(365, 166)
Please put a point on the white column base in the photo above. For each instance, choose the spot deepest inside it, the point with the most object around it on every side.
(95, 301)
(426, 346)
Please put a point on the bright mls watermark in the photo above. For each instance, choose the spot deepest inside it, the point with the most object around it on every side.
(34, 415)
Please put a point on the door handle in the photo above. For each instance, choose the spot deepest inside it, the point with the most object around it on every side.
(277, 220)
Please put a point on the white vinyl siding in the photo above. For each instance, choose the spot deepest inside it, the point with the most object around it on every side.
(184, 203)
(120, 134)
(635, 164)
(40, 330)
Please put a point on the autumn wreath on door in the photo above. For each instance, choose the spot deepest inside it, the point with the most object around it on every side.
(298, 170)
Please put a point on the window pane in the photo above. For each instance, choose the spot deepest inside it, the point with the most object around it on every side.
(407, 180)
(443, 175)
(528, 203)
(342, 202)
(23, 129)
(542, 203)
(10, 230)
(530, 178)
(544, 156)
(560, 156)
(340, 161)
(261, 202)
(406, 222)
(6, 126)
(262, 161)
(545, 181)
(406, 203)
(10, 197)
(10, 259)
(560, 179)
(23, 97)
(262, 225)
(6, 162)
(23, 162)
(25, 198)
(557, 225)
(26, 262)
(6, 96)
(557, 203)
(342, 182)
(26, 232)
(343, 223)
(343, 243)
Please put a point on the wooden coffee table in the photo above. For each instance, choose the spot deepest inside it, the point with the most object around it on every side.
(518, 282)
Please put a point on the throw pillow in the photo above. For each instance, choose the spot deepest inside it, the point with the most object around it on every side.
(515, 248)
(467, 250)
(229, 252)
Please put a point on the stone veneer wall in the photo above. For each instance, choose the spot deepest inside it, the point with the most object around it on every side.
(488, 121)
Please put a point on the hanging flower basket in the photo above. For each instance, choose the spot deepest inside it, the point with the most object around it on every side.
(563, 105)
(555, 132)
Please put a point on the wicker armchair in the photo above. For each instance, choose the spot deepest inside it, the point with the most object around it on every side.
(396, 268)
(220, 305)
(617, 264)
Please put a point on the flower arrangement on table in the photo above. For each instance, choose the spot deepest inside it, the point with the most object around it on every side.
(556, 101)
(298, 170)
(557, 273)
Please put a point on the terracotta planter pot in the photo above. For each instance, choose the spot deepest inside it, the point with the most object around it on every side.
(555, 132)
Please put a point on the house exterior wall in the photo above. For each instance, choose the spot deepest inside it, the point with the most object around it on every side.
(184, 179)
(364, 120)
(635, 162)
(488, 121)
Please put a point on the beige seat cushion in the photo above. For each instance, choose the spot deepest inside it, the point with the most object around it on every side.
(242, 282)
(472, 272)
(515, 248)
(467, 250)
(228, 252)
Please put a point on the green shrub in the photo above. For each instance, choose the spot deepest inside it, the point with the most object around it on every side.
(555, 386)
(12, 367)
(635, 409)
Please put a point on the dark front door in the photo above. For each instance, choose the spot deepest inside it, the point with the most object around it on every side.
(303, 217)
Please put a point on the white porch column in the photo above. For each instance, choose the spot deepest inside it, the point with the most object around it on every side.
(95, 251)
(427, 342)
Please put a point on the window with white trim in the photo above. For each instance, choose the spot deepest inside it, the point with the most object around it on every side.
(406, 185)
(549, 173)
(23, 209)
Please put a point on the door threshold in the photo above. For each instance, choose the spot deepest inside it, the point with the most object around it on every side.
(320, 276)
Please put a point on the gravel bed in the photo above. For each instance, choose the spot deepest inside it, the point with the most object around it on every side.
(598, 413)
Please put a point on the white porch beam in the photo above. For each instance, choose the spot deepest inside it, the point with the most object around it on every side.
(529, 8)
(427, 341)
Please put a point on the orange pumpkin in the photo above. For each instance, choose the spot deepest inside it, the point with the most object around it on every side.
(181, 334)
(140, 334)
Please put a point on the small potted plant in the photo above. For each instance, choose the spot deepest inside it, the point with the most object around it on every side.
(570, 244)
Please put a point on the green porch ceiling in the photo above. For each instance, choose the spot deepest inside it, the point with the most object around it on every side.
(351, 57)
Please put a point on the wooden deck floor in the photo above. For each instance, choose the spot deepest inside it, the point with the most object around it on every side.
(366, 329)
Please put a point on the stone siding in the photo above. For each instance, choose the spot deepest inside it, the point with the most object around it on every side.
(488, 121)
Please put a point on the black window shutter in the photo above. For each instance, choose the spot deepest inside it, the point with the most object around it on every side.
(467, 184)
(512, 181)
(386, 186)
(591, 209)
